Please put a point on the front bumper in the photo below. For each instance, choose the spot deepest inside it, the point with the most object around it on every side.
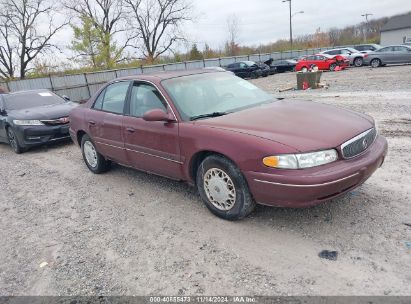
(308, 187)
(37, 135)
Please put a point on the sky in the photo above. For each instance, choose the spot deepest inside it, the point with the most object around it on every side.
(263, 21)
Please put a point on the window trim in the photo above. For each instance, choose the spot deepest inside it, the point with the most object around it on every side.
(104, 90)
(127, 105)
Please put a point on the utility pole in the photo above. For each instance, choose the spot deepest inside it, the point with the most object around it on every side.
(291, 27)
(366, 25)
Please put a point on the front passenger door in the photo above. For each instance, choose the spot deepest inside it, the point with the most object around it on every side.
(151, 146)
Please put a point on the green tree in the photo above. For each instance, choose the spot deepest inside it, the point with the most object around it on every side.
(195, 54)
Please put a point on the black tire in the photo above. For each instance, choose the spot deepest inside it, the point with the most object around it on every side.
(253, 75)
(13, 141)
(243, 204)
(332, 67)
(102, 165)
(375, 63)
(358, 62)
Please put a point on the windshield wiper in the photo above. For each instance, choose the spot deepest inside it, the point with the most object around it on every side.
(214, 114)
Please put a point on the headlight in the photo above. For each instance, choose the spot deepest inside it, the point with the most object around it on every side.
(28, 122)
(301, 161)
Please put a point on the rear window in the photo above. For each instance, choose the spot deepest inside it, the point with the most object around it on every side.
(30, 100)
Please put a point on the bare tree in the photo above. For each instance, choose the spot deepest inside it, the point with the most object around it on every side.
(108, 19)
(22, 38)
(158, 24)
(233, 28)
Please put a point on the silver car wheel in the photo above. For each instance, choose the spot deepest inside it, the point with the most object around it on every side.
(375, 63)
(90, 153)
(220, 189)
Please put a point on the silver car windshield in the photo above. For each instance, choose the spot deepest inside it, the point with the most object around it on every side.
(207, 93)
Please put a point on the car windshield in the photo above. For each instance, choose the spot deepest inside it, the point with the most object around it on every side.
(21, 101)
(211, 93)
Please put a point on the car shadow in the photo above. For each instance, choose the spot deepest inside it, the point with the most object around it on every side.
(342, 213)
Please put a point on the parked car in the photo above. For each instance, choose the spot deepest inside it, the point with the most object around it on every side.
(367, 48)
(282, 66)
(236, 143)
(322, 61)
(245, 69)
(31, 118)
(389, 55)
(265, 69)
(356, 58)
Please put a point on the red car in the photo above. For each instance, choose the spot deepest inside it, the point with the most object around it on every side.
(323, 62)
(237, 144)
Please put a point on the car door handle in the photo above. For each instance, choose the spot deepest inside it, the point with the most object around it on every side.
(131, 130)
(91, 122)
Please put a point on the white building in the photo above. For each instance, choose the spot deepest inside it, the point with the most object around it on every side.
(396, 30)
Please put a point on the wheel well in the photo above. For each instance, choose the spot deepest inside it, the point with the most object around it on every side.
(80, 135)
(197, 159)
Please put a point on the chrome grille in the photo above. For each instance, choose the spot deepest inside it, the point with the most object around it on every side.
(358, 144)
(55, 122)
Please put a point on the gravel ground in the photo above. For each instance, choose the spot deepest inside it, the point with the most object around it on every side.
(65, 231)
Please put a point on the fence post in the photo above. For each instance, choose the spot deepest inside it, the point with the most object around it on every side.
(204, 63)
(115, 73)
(164, 67)
(51, 83)
(8, 86)
(219, 62)
(87, 85)
(185, 65)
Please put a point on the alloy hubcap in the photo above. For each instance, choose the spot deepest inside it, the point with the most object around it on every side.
(375, 63)
(12, 139)
(90, 153)
(219, 189)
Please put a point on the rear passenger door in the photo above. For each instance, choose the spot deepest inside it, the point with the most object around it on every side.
(105, 121)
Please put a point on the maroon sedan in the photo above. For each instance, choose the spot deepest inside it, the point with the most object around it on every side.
(236, 143)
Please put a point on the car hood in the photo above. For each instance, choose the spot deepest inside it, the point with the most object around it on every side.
(302, 125)
(44, 112)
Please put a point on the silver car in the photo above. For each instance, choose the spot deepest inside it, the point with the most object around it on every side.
(389, 54)
(355, 57)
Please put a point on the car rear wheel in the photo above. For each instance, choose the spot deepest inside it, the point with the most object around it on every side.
(375, 63)
(254, 75)
(332, 66)
(94, 160)
(223, 188)
(13, 141)
(358, 62)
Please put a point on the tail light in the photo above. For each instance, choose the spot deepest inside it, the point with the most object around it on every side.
(365, 55)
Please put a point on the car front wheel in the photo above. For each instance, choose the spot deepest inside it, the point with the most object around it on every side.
(375, 63)
(13, 141)
(223, 188)
(94, 160)
(332, 67)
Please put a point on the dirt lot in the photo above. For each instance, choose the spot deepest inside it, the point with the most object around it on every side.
(127, 232)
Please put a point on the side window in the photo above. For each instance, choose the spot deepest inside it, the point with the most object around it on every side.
(145, 97)
(99, 101)
(115, 97)
(243, 65)
(386, 49)
(401, 49)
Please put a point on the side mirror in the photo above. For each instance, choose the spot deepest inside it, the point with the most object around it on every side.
(66, 98)
(158, 115)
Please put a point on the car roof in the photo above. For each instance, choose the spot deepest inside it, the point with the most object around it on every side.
(169, 74)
